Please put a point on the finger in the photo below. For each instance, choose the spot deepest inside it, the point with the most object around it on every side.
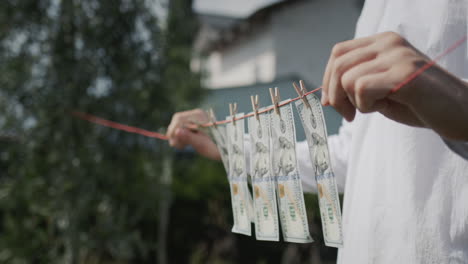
(347, 62)
(346, 46)
(325, 81)
(177, 141)
(177, 120)
(349, 78)
(186, 118)
(199, 141)
(370, 90)
(183, 136)
(337, 51)
(343, 106)
(198, 117)
(339, 100)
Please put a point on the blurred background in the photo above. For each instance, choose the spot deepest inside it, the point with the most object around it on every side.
(74, 192)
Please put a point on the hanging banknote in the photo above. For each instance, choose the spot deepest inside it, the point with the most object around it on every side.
(289, 186)
(316, 134)
(240, 194)
(218, 134)
(263, 184)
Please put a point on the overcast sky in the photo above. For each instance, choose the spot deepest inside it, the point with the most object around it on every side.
(236, 8)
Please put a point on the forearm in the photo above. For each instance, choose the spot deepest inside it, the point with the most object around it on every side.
(441, 102)
(362, 73)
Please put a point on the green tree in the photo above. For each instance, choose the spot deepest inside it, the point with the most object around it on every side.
(73, 192)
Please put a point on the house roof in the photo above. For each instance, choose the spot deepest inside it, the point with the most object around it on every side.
(220, 22)
(231, 29)
(233, 8)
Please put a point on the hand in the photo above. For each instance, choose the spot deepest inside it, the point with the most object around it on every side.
(362, 72)
(180, 136)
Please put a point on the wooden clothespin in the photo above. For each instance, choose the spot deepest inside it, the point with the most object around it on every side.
(254, 100)
(212, 117)
(233, 112)
(301, 92)
(275, 98)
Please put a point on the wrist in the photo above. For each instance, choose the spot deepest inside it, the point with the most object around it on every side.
(439, 99)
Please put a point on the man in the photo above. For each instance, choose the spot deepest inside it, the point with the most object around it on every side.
(405, 190)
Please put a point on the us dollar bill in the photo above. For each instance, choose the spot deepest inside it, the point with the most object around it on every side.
(240, 194)
(218, 134)
(290, 196)
(329, 203)
(263, 183)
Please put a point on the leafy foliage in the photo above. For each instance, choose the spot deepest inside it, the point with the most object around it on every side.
(72, 192)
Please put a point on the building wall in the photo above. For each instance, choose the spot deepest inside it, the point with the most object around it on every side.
(247, 61)
(304, 34)
(296, 41)
(294, 44)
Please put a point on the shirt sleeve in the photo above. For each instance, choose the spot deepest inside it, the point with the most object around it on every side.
(459, 147)
(338, 146)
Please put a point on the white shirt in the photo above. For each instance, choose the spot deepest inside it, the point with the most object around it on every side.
(405, 191)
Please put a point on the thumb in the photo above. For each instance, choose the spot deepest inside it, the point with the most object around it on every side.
(201, 142)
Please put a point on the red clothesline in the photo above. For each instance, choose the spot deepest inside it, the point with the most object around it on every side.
(118, 126)
(136, 130)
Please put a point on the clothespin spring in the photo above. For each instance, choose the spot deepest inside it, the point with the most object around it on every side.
(233, 112)
(301, 91)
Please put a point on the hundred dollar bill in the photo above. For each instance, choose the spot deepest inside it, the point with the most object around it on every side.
(240, 194)
(284, 166)
(218, 133)
(316, 134)
(263, 184)
(219, 136)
